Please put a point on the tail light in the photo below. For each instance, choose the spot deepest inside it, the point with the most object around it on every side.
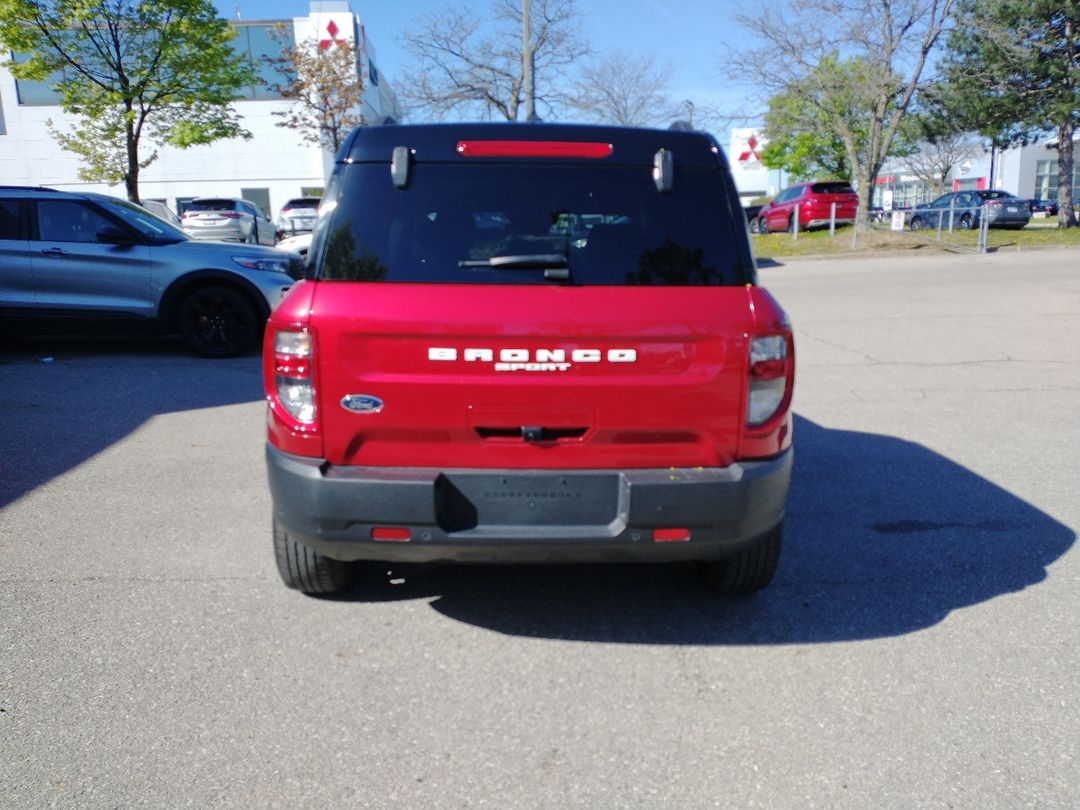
(292, 388)
(770, 373)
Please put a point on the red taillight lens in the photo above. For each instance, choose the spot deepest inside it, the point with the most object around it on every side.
(549, 149)
(294, 390)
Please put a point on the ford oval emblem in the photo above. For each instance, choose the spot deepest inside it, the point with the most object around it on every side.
(361, 403)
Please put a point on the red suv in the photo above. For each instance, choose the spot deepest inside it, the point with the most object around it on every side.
(529, 343)
(813, 203)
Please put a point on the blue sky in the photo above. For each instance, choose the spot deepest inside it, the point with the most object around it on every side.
(688, 33)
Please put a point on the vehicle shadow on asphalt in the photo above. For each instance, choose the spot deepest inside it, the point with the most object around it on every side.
(882, 537)
(66, 399)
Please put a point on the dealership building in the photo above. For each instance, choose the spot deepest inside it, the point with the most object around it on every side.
(268, 169)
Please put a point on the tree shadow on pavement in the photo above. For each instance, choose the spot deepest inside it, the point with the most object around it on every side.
(882, 537)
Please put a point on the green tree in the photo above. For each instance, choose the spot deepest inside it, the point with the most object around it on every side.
(1012, 71)
(324, 87)
(803, 152)
(160, 71)
(854, 64)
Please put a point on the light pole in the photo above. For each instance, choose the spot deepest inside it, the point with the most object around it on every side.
(527, 62)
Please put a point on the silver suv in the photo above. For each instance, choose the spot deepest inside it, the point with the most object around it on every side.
(84, 260)
(228, 219)
(298, 215)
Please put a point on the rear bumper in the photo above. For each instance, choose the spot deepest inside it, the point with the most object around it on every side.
(819, 222)
(526, 515)
(216, 233)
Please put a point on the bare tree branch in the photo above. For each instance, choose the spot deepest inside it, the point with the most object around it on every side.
(469, 66)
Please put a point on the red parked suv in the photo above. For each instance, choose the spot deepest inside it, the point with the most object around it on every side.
(813, 201)
(528, 343)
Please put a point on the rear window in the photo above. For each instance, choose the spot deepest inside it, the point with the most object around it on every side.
(832, 188)
(532, 224)
(995, 195)
(303, 203)
(212, 205)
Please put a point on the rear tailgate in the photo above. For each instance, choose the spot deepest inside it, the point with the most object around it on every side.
(543, 377)
(820, 205)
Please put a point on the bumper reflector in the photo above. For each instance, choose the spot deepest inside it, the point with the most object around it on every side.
(392, 534)
(670, 535)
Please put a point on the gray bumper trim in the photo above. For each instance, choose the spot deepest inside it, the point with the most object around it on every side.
(525, 515)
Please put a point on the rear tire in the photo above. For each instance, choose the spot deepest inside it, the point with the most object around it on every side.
(748, 570)
(308, 571)
(916, 224)
(966, 222)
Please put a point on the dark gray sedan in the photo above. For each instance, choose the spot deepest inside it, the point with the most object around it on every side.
(965, 209)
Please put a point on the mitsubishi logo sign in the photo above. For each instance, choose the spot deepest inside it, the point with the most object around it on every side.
(332, 29)
(751, 151)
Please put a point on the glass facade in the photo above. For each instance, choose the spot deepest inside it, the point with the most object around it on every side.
(1046, 179)
(254, 41)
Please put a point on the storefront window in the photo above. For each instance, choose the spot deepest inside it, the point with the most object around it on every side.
(1046, 179)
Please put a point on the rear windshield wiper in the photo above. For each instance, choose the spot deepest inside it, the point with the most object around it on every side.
(556, 266)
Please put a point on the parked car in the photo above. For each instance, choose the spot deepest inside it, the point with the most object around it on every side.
(511, 348)
(1038, 206)
(298, 244)
(298, 215)
(83, 262)
(814, 203)
(963, 210)
(228, 219)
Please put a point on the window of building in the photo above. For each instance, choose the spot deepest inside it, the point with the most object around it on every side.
(1046, 178)
(255, 42)
(373, 73)
(32, 93)
(258, 43)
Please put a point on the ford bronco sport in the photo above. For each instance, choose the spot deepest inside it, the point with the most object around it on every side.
(528, 342)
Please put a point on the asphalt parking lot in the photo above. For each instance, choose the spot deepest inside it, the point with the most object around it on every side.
(919, 647)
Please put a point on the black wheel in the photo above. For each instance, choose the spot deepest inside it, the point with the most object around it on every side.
(253, 235)
(217, 321)
(305, 570)
(762, 225)
(748, 570)
(967, 222)
(755, 226)
(791, 224)
(917, 224)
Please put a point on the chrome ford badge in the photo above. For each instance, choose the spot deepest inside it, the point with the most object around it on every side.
(361, 403)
